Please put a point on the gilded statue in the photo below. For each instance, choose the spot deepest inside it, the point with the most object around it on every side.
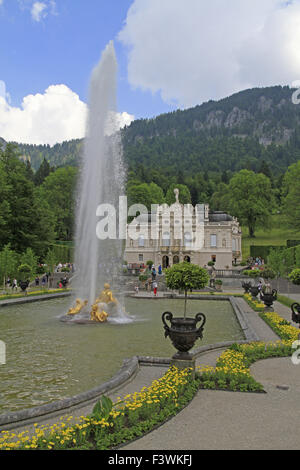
(106, 296)
(98, 313)
(78, 307)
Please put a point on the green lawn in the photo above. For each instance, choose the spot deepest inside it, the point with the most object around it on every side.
(277, 236)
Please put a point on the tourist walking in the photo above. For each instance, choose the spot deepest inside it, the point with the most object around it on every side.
(154, 285)
(14, 284)
(160, 270)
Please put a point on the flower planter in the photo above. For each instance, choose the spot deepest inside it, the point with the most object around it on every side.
(246, 286)
(296, 313)
(183, 333)
(254, 290)
(269, 298)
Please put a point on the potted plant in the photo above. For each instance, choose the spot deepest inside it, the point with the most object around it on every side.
(183, 331)
(218, 284)
(143, 278)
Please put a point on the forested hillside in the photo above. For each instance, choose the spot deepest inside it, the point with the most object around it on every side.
(241, 131)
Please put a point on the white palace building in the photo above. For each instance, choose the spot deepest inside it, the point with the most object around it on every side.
(180, 232)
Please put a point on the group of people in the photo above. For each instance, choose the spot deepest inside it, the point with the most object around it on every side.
(151, 283)
(256, 262)
(60, 266)
(12, 283)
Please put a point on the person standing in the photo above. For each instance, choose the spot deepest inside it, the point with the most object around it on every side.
(15, 284)
(154, 288)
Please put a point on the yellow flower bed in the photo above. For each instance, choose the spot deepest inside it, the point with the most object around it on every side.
(33, 293)
(284, 329)
(72, 432)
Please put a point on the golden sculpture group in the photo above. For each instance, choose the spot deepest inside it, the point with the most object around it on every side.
(98, 314)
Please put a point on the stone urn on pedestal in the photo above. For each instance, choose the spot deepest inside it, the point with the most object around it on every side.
(184, 331)
(268, 296)
(296, 313)
(246, 286)
(254, 291)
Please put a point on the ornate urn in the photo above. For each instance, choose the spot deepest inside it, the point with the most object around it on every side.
(183, 332)
(268, 296)
(254, 290)
(246, 286)
(296, 313)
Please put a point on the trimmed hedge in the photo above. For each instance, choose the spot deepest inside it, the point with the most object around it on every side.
(263, 251)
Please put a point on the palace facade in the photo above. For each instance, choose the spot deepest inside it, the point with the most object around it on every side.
(184, 233)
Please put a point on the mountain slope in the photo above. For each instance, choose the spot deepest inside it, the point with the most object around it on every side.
(236, 132)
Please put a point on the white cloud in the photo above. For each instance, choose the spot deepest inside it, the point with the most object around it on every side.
(55, 116)
(194, 51)
(3, 92)
(38, 11)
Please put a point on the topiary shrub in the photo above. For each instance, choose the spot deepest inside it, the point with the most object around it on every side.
(186, 277)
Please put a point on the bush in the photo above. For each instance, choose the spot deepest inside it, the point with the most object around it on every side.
(295, 277)
(40, 270)
(268, 273)
(24, 271)
(253, 273)
(65, 270)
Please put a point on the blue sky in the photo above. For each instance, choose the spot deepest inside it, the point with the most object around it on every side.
(63, 48)
(171, 54)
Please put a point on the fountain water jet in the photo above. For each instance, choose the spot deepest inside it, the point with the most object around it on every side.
(102, 181)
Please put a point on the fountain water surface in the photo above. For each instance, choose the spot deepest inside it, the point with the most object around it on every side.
(102, 181)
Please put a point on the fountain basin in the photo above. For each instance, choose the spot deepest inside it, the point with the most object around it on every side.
(48, 360)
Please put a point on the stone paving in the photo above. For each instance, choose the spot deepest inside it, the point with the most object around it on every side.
(220, 420)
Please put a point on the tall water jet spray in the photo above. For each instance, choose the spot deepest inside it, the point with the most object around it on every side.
(102, 181)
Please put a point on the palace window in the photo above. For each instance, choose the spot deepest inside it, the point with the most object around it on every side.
(141, 241)
(166, 239)
(187, 239)
(213, 241)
